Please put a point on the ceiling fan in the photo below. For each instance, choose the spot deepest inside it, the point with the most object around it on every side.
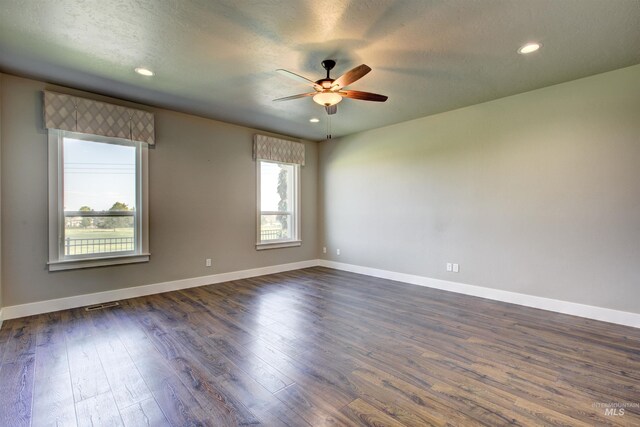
(328, 91)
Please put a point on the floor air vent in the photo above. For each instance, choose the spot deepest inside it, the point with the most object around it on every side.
(101, 306)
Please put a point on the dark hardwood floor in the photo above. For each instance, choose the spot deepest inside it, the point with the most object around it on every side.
(316, 347)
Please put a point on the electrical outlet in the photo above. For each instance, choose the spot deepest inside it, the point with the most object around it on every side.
(449, 266)
(324, 250)
(207, 262)
(456, 268)
(337, 251)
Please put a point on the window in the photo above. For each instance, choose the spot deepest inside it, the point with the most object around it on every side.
(97, 201)
(278, 204)
(278, 163)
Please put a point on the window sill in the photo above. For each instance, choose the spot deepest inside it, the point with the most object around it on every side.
(276, 245)
(73, 264)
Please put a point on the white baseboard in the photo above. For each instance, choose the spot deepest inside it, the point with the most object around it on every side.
(572, 308)
(16, 311)
(575, 309)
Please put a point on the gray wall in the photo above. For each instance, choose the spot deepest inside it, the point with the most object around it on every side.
(537, 193)
(202, 203)
(1, 86)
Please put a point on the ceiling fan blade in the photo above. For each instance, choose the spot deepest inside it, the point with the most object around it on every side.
(351, 76)
(331, 109)
(298, 77)
(300, 95)
(364, 96)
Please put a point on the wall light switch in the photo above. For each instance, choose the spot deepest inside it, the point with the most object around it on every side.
(456, 268)
(449, 266)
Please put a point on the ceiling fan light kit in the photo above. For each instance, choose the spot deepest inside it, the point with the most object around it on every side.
(327, 98)
(329, 92)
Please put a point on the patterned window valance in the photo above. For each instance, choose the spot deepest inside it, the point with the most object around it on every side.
(82, 115)
(278, 150)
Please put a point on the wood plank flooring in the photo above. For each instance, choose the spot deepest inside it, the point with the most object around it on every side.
(316, 347)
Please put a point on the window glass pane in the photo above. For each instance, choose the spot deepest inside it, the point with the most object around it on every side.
(276, 187)
(99, 197)
(275, 227)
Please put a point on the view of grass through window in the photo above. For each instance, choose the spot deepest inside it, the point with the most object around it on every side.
(99, 197)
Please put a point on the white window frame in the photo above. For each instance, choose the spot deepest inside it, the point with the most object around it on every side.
(57, 259)
(296, 239)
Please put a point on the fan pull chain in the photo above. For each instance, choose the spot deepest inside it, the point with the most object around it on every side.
(328, 127)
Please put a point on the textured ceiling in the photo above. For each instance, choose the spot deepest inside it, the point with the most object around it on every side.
(218, 58)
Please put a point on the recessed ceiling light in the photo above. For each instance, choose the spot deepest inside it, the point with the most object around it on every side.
(144, 71)
(529, 48)
(314, 120)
